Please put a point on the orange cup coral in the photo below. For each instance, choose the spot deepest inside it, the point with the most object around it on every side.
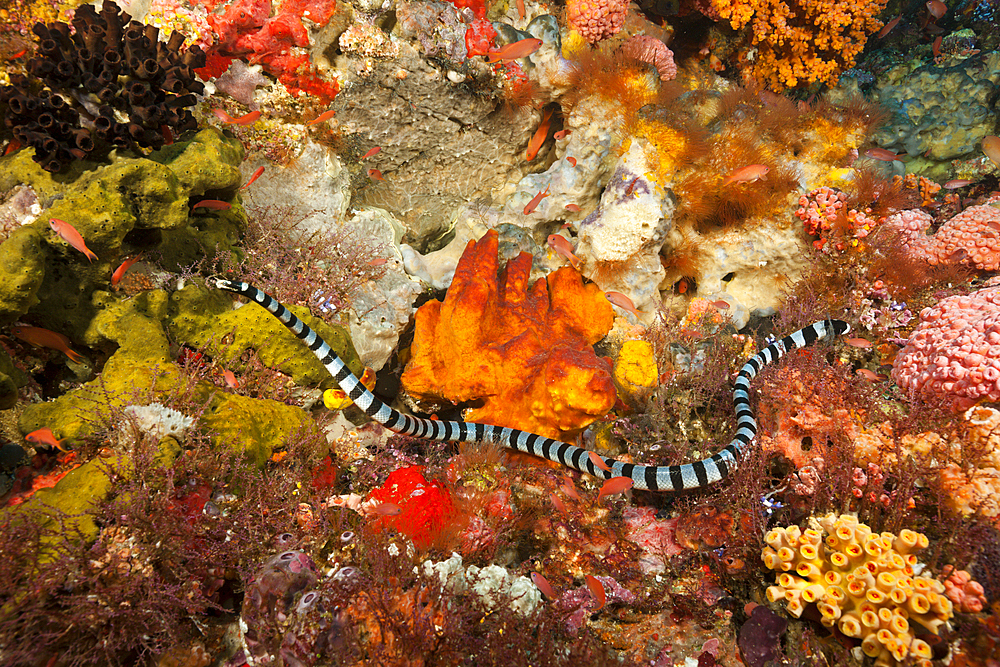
(524, 351)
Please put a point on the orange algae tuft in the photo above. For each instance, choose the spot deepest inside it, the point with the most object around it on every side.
(426, 507)
(523, 350)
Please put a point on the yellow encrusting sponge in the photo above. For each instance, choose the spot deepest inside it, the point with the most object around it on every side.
(861, 582)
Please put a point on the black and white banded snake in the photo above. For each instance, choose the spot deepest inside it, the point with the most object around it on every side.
(653, 478)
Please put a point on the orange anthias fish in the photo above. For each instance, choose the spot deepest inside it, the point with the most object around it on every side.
(248, 119)
(597, 590)
(119, 273)
(69, 234)
(519, 49)
(991, 148)
(936, 8)
(958, 183)
(614, 486)
(572, 208)
(558, 503)
(45, 436)
(881, 154)
(213, 204)
(561, 134)
(936, 48)
(858, 342)
(889, 26)
(622, 301)
(388, 509)
(254, 177)
(747, 174)
(535, 201)
(40, 337)
(572, 161)
(543, 585)
(370, 153)
(520, 9)
(538, 139)
(375, 174)
(598, 461)
(563, 247)
(326, 115)
(230, 379)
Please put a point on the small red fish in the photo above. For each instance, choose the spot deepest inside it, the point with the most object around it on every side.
(562, 134)
(889, 26)
(867, 374)
(721, 304)
(572, 161)
(213, 204)
(936, 47)
(881, 154)
(570, 488)
(519, 49)
(538, 138)
(168, 136)
(623, 302)
(19, 54)
(572, 208)
(248, 119)
(747, 174)
(254, 177)
(958, 183)
(535, 201)
(378, 262)
(68, 233)
(230, 379)
(858, 342)
(558, 503)
(520, 9)
(597, 590)
(45, 436)
(370, 153)
(614, 486)
(598, 461)
(563, 247)
(631, 186)
(375, 174)
(991, 148)
(125, 266)
(40, 337)
(388, 509)
(543, 585)
(12, 145)
(936, 8)
(326, 115)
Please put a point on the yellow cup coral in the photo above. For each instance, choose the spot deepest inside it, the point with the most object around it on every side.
(861, 582)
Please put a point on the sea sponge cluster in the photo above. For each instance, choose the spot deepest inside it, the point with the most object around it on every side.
(862, 582)
(955, 351)
(596, 19)
(129, 84)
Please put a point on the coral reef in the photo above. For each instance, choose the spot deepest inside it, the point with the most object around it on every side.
(862, 582)
(523, 350)
(596, 19)
(972, 237)
(111, 68)
(800, 43)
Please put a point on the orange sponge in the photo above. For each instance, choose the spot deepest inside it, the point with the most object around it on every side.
(525, 352)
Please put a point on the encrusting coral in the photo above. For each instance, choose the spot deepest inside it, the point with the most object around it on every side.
(862, 582)
(525, 351)
(129, 85)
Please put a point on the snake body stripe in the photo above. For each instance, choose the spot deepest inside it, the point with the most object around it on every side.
(653, 478)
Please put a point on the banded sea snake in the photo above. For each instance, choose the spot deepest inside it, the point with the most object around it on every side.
(653, 478)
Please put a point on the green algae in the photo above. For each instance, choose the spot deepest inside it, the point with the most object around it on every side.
(203, 318)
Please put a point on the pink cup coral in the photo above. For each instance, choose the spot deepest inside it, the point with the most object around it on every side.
(596, 19)
(955, 351)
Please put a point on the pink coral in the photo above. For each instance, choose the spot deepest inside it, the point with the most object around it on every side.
(972, 237)
(596, 19)
(823, 208)
(955, 351)
(653, 51)
(967, 595)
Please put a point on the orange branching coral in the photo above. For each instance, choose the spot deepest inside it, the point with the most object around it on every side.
(795, 43)
(524, 351)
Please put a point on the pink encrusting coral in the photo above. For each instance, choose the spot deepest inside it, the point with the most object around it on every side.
(955, 351)
(823, 208)
(972, 237)
(967, 595)
(653, 51)
(596, 19)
